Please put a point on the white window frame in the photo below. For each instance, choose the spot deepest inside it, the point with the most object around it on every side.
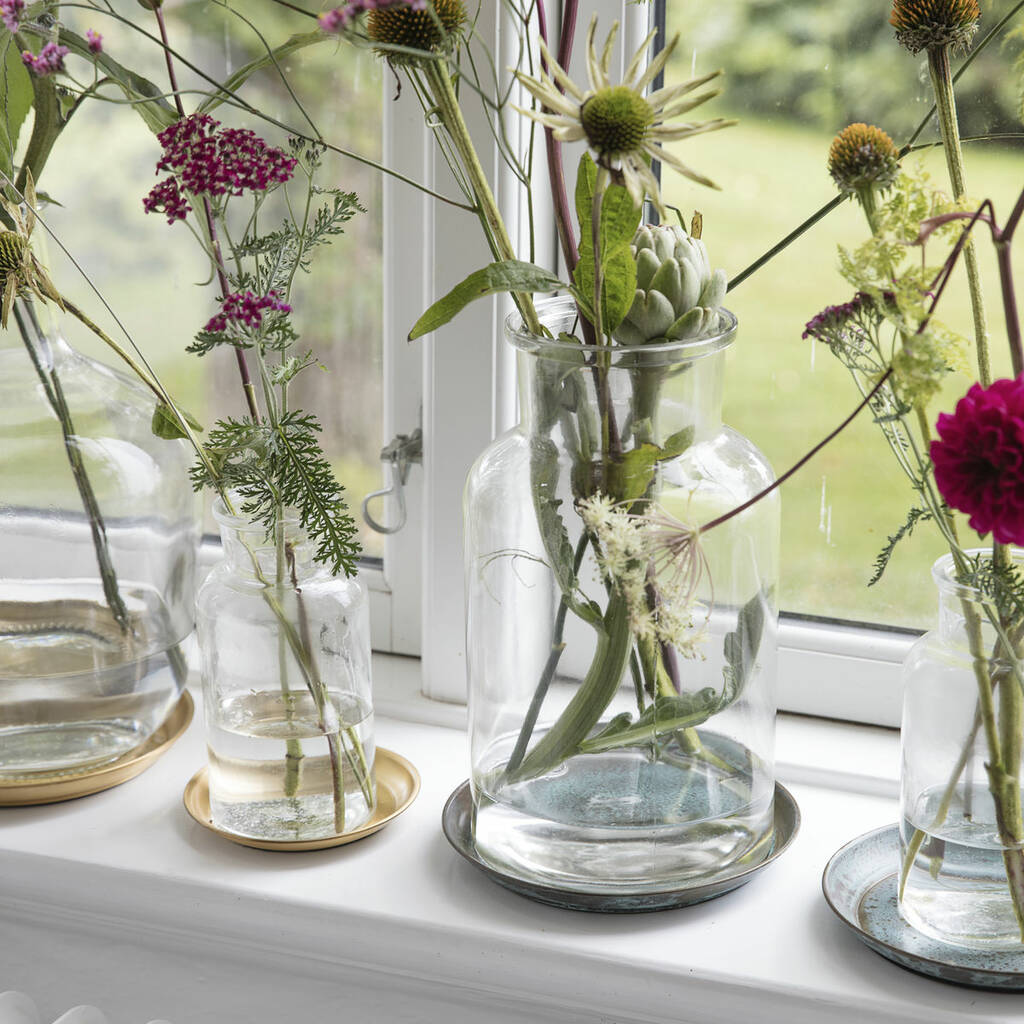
(459, 384)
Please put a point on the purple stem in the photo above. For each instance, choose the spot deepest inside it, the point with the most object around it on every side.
(1002, 240)
(792, 469)
(1009, 292)
(556, 171)
(225, 289)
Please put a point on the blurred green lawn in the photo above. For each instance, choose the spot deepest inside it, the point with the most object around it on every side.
(786, 393)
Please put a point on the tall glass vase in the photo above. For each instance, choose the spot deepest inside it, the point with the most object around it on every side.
(97, 558)
(961, 826)
(286, 687)
(607, 756)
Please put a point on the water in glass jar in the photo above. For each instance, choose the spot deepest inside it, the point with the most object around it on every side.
(626, 821)
(956, 889)
(281, 770)
(77, 691)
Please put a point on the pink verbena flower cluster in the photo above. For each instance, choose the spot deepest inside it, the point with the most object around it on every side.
(245, 308)
(95, 41)
(10, 13)
(208, 160)
(338, 18)
(48, 61)
(979, 459)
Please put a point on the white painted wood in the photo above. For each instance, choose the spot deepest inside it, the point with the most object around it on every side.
(407, 292)
(120, 901)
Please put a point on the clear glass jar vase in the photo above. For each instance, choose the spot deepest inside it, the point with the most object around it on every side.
(961, 824)
(98, 534)
(286, 687)
(605, 758)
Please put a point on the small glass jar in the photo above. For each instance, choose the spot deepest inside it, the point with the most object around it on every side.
(286, 687)
(600, 762)
(98, 534)
(961, 866)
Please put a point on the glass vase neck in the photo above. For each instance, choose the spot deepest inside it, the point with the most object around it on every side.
(284, 557)
(959, 600)
(647, 392)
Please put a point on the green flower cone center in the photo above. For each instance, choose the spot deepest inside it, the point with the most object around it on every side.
(12, 249)
(616, 120)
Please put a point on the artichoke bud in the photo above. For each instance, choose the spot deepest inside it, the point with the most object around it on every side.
(677, 294)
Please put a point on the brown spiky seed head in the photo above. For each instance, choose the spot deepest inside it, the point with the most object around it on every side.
(933, 24)
(863, 156)
(400, 25)
(12, 251)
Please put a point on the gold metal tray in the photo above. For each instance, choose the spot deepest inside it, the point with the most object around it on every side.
(53, 788)
(398, 784)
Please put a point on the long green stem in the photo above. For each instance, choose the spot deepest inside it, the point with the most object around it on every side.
(945, 102)
(436, 73)
(548, 673)
(293, 747)
(54, 391)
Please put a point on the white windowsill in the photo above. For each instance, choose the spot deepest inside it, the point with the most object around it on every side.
(121, 901)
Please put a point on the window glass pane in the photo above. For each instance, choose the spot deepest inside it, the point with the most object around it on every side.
(796, 72)
(104, 164)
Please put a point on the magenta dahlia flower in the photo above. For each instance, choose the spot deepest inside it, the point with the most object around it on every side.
(979, 459)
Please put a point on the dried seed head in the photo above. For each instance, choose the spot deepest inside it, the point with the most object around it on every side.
(12, 253)
(863, 156)
(930, 24)
(616, 120)
(418, 30)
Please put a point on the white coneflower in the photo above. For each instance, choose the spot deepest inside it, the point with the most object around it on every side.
(656, 563)
(624, 128)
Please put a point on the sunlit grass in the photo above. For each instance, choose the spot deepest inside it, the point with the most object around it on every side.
(786, 393)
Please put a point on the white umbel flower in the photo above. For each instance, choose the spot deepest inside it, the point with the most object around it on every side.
(656, 563)
(624, 128)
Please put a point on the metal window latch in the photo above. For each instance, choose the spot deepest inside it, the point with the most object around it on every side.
(398, 456)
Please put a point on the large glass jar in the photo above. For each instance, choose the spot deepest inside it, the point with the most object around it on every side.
(97, 558)
(286, 687)
(604, 758)
(961, 822)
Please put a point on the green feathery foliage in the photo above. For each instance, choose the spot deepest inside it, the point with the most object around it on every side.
(915, 516)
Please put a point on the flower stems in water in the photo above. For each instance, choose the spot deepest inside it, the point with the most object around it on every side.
(33, 338)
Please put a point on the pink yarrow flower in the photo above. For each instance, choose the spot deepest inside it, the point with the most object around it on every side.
(95, 41)
(338, 18)
(245, 308)
(166, 198)
(11, 12)
(205, 159)
(979, 459)
(49, 60)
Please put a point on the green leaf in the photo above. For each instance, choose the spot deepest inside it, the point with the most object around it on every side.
(629, 478)
(146, 97)
(544, 471)
(619, 221)
(246, 71)
(667, 714)
(741, 646)
(591, 699)
(16, 98)
(506, 276)
(915, 516)
(165, 423)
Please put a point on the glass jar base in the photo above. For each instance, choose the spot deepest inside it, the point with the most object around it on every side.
(979, 920)
(289, 819)
(956, 889)
(58, 748)
(623, 823)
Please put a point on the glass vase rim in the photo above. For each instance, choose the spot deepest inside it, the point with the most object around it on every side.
(944, 574)
(684, 350)
(236, 521)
